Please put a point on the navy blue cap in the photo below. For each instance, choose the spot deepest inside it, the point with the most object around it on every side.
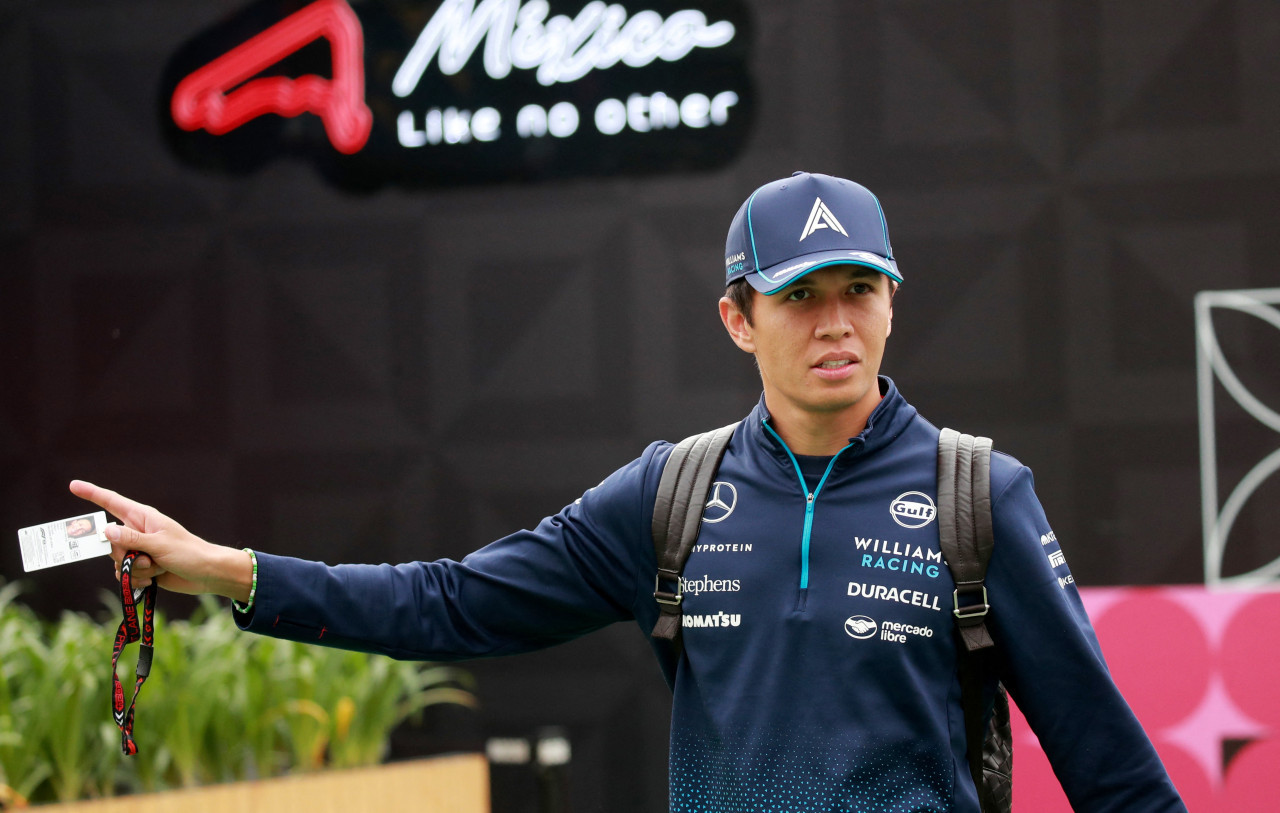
(799, 224)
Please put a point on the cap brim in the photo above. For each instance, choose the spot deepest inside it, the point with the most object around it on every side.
(772, 280)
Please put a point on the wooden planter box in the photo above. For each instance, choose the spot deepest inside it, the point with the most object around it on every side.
(447, 784)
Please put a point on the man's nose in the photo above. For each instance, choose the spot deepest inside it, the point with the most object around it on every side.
(834, 321)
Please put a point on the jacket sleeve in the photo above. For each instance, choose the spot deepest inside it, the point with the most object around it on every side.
(1054, 667)
(577, 571)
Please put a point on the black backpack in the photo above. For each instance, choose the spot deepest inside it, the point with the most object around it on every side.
(965, 535)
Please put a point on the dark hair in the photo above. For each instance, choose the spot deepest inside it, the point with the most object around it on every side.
(741, 294)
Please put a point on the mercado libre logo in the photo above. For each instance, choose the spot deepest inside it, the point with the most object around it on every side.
(464, 91)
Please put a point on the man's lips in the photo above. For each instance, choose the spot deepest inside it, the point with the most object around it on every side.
(835, 367)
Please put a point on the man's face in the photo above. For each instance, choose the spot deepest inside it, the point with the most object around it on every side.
(819, 341)
(79, 527)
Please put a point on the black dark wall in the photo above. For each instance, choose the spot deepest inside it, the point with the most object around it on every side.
(410, 374)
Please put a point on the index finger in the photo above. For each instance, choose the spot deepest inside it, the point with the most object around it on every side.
(133, 513)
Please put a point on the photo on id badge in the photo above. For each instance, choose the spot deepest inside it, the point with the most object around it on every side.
(64, 541)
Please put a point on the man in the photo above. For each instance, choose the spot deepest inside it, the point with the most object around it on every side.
(818, 669)
(80, 526)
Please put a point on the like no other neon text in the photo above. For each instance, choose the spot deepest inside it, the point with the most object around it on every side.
(641, 114)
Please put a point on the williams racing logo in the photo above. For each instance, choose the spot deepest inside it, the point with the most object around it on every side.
(914, 509)
(735, 263)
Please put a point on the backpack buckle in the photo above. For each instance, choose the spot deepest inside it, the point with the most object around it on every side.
(970, 610)
(666, 597)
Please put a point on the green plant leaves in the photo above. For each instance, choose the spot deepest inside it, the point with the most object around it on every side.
(219, 705)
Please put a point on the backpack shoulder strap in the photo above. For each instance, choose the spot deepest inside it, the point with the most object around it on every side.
(677, 517)
(964, 528)
(966, 538)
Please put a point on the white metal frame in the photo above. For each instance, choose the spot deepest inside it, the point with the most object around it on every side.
(1211, 365)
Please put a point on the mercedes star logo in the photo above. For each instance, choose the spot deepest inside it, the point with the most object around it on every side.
(724, 497)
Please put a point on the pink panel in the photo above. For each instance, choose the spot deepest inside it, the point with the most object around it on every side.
(1158, 655)
(1251, 779)
(1199, 669)
(1251, 658)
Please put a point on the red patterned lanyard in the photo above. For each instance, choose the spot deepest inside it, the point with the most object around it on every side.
(130, 631)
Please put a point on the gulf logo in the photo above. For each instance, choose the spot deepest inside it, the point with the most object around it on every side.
(913, 509)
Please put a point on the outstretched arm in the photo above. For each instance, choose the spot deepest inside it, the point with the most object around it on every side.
(587, 566)
(174, 557)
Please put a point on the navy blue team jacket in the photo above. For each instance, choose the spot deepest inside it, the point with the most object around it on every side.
(819, 667)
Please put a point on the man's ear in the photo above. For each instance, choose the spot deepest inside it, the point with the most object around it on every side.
(893, 291)
(735, 321)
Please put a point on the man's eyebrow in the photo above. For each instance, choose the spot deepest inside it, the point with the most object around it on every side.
(862, 272)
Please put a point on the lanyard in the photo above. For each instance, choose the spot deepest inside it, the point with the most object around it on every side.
(130, 631)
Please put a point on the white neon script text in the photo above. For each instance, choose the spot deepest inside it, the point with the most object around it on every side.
(561, 49)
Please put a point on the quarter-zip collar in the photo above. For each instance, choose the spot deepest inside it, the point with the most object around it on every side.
(887, 421)
(884, 424)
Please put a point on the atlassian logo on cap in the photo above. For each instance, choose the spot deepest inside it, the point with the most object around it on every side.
(820, 217)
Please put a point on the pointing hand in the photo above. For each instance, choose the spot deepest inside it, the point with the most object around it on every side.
(174, 557)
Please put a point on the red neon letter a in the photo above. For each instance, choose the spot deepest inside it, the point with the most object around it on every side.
(202, 100)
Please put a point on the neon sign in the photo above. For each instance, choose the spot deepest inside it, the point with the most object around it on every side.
(205, 99)
(560, 49)
(485, 90)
